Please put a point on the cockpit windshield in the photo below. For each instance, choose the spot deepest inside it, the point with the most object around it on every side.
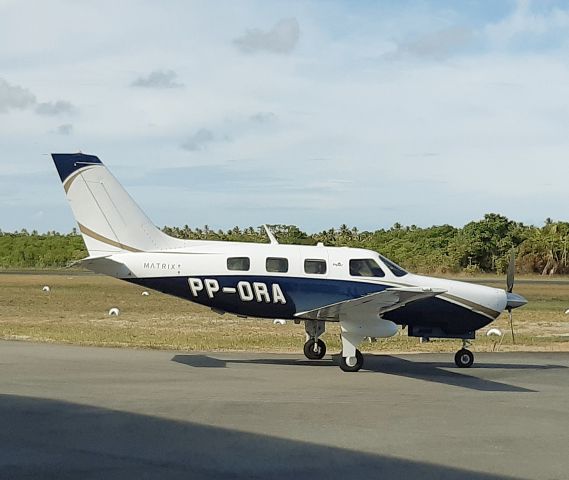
(365, 267)
(393, 267)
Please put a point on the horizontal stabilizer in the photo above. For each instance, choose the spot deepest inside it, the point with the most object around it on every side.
(104, 264)
(84, 261)
(373, 304)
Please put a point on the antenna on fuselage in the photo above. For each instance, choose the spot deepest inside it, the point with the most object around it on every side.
(270, 234)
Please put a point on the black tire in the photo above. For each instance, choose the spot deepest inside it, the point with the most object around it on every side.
(309, 349)
(359, 363)
(464, 358)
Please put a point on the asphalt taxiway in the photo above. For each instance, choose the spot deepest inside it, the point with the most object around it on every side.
(79, 412)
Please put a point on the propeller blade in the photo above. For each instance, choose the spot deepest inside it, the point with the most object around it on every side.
(512, 326)
(511, 272)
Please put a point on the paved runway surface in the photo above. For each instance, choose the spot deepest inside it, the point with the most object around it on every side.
(76, 412)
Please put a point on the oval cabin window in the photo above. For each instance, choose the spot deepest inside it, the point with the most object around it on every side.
(315, 267)
(238, 263)
(275, 264)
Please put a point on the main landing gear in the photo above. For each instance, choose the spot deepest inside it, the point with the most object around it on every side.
(352, 364)
(464, 358)
(314, 348)
(351, 359)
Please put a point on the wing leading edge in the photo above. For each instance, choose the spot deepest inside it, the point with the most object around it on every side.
(373, 304)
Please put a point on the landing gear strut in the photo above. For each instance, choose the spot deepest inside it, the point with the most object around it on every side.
(464, 358)
(314, 348)
(351, 359)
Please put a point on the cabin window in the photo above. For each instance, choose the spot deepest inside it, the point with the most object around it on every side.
(393, 267)
(275, 264)
(238, 263)
(317, 267)
(365, 267)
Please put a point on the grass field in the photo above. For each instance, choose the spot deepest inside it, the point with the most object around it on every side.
(76, 311)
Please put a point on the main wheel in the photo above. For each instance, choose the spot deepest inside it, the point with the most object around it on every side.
(464, 358)
(346, 362)
(314, 354)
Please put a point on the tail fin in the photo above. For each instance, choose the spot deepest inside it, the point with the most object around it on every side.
(108, 218)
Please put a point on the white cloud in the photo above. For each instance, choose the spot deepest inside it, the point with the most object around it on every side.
(55, 108)
(198, 140)
(435, 45)
(263, 117)
(350, 131)
(65, 129)
(158, 79)
(282, 38)
(524, 21)
(14, 97)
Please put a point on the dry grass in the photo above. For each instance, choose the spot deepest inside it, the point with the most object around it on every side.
(76, 311)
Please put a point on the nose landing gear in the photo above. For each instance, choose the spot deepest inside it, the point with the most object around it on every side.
(464, 358)
(314, 348)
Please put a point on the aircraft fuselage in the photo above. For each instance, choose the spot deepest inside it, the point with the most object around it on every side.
(200, 273)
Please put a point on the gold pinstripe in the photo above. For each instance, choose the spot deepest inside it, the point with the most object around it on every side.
(94, 235)
(69, 180)
(87, 231)
(493, 314)
(488, 312)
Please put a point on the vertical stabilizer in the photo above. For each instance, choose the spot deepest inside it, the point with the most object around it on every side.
(108, 218)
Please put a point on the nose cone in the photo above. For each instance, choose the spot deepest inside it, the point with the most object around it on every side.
(514, 301)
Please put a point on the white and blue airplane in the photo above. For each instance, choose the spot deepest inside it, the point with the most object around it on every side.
(369, 295)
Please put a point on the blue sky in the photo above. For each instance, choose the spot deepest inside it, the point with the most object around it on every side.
(309, 113)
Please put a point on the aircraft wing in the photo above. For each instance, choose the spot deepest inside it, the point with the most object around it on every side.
(373, 304)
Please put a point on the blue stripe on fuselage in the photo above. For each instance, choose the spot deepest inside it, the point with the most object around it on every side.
(303, 294)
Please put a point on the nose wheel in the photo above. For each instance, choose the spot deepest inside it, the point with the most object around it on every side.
(464, 358)
(314, 349)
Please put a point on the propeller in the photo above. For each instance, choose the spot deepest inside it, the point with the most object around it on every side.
(511, 272)
(513, 300)
(509, 287)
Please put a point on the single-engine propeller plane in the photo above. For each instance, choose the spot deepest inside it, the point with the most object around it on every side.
(369, 295)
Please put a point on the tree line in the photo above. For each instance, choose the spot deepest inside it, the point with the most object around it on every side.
(479, 246)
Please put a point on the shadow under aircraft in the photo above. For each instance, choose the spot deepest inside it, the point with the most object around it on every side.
(437, 372)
